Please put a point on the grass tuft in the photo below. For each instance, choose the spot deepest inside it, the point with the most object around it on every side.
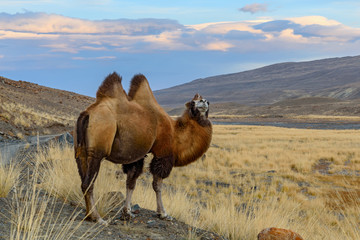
(9, 176)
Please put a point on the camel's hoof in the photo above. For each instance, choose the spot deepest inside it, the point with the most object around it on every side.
(102, 222)
(165, 217)
(126, 215)
(97, 220)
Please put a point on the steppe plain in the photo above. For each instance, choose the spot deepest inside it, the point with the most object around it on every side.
(251, 178)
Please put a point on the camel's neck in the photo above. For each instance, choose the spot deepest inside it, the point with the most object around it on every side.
(191, 139)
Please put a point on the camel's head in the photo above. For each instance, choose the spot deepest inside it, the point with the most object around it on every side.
(198, 106)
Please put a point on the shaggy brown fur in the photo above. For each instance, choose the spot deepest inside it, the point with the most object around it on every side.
(124, 128)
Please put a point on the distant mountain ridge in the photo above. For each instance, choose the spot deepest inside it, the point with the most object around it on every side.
(331, 78)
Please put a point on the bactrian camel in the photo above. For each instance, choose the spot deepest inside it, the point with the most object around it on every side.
(123, 128)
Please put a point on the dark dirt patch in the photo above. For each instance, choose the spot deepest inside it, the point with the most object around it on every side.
(322, 166)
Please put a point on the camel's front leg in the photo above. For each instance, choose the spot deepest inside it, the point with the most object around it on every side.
(157, 185)
(160, 169)
(133, 171)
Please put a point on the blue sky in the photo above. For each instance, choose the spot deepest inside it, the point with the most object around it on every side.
(74, 44)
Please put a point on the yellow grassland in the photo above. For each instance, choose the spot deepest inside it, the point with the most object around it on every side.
(251, 178)
(309, 117)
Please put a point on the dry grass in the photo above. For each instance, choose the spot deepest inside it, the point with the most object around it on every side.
(59, 174)
(34, 213)
(37, 215)
(276, 170)
(9, 176)
(25, 116)
(252, 178)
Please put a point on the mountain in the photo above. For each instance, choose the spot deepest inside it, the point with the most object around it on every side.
(337, 78)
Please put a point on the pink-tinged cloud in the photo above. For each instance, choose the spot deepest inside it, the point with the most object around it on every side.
(219, 46)
(310, 20)
(71, 35)
(225, 27)
(255, 8)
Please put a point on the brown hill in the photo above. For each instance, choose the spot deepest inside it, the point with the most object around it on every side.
(286, 108)
(337, 78)
(28, 109)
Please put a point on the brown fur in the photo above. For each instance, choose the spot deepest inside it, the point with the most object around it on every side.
(109, 86)
(188, 146)
(135, 84)
(124, 128)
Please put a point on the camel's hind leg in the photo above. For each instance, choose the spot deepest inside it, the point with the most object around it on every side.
(133, 171)
(82, 167)
(87, 186)
(160, 168)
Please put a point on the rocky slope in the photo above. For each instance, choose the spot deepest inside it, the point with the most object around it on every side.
(28, 109)
(337, 78)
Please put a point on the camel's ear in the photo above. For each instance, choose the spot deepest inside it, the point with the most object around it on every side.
(197, 97)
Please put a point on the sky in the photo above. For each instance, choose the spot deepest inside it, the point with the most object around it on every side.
(74, 44)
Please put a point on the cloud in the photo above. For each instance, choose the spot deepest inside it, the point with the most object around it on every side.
(95, 58)
(218, 46)
(311, 20)
(288, 34)
(94, 48)
(276, 26)
(61, 34)
(225, 27)
(312, 28)
(61, 47)
(43, 23)
(254, 8)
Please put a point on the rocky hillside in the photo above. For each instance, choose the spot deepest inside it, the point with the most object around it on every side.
(337, 78)
(28, 109)
(286, 108)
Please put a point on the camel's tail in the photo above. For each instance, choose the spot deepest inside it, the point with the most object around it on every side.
(81, 128)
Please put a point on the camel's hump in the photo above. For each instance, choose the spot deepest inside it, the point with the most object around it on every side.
(136, 82)
(110, 87)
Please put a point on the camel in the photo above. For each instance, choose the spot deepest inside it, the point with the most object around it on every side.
(122, 128)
